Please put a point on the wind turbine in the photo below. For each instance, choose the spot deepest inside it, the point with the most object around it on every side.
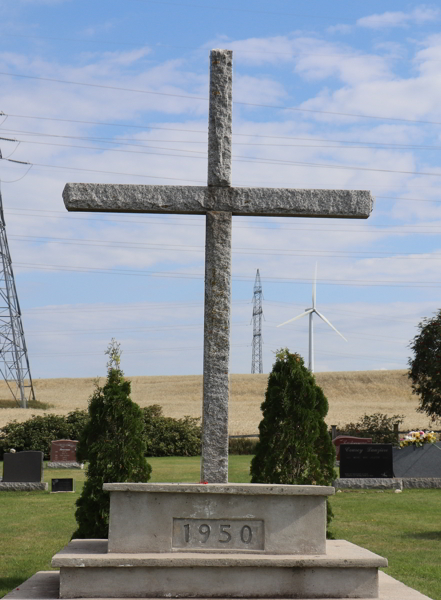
(310, 312)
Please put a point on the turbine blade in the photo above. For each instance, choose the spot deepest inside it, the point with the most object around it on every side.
(314, 287)
(330, 324)
(307, 312)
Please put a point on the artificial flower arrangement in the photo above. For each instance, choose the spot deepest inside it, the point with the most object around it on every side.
(418, 438)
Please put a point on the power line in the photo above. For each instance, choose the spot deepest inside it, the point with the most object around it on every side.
(254, 161)
(171, 274)
(123, 141)
(143, 127)
(160, 46)
(275, 225)
(130, 142)
(235, 158)
(203, 98)
(111, 173)
(171, 220)
(260, 250)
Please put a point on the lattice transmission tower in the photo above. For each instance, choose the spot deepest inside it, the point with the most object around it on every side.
(257, 361)
(14, 362)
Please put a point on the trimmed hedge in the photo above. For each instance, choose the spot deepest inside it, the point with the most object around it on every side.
(170, 437)
(164, 436)
(39, 431)
(242, 445)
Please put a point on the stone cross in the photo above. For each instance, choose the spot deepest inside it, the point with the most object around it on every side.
(218, 201)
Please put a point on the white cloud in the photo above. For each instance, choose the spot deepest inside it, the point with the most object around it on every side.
(342, 28)
(418, 16)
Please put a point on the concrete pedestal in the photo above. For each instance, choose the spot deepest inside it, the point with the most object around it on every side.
(271, 519)
(215, 541)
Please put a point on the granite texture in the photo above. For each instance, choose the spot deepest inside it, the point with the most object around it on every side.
(23, 486)
(235, 489)
(220, 115)
(64, 465)
(368, 483)
(421, 482)
(214, 466)
(197, 200)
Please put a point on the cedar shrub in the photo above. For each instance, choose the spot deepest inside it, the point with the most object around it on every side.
(294, 445)
(113, 443)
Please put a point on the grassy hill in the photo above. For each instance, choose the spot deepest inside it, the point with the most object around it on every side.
(350, 393)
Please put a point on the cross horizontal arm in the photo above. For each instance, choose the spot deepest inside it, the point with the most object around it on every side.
(198, 200)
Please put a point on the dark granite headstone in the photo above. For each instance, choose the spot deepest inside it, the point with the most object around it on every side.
(348, 439)
(366, 460)
(23, 467)
(62, 485)
(64, 451)
(418, 461)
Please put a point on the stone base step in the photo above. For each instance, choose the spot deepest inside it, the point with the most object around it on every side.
(45, 586)
(23, 486)
(345, 571)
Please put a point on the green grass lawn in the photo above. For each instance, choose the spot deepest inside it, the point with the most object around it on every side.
(405, 528)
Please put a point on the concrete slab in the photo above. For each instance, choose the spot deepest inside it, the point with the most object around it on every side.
(344, 571)
(93, 553)
(44, 585)
(273, 519)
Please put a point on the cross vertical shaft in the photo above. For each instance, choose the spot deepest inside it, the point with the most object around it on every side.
(214, 466)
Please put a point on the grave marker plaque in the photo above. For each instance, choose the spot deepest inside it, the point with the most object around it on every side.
(23, 467)
(66, 484)
(366, 460)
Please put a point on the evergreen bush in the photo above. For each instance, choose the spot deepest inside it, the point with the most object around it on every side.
(294, 445)
(165, 436)
(114, 445)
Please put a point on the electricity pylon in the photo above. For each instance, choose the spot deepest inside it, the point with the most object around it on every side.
(14, 363)
(256, 361)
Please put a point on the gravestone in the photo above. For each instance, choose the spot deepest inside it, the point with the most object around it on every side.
(347, 439)
(418, 461)
(64, 455)
(65, 484)
(23, 471)
(366, 461)
(219, 202)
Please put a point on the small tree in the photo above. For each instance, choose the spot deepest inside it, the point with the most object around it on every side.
(294, 445)
(113, 443)
(425, 366)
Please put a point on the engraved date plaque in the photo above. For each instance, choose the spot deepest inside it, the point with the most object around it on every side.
(218, 534)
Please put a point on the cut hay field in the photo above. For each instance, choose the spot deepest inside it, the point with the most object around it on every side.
(350, 393)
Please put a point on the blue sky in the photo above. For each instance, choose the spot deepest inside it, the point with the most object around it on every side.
(337, 97)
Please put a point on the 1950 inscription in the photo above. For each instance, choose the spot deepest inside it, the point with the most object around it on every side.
(218, 534)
